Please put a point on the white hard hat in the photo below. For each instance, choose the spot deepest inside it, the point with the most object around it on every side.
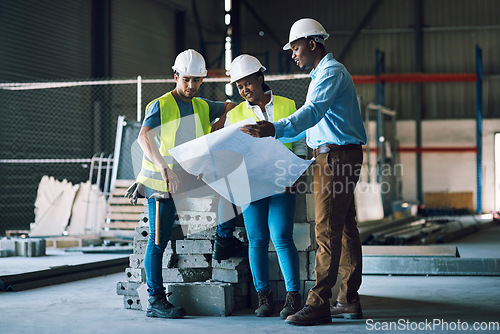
(243, 66)
(305, 28)
(190, 63)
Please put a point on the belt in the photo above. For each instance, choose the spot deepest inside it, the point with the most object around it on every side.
(333, 147)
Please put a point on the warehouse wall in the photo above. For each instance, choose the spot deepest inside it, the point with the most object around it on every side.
(451, 30)
(42, 40)
(53, 40)
(445, 171)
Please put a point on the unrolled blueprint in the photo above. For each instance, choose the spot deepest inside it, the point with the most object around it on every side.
(239, 167)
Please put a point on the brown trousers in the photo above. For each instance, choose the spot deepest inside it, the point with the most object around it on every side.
(339, 246)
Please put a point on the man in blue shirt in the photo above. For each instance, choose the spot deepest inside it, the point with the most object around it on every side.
(331, 120)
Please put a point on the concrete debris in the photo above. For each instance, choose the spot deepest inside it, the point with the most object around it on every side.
(204, 286)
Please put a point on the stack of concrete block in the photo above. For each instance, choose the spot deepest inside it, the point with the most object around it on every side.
(28, 247)
(187, 264)
(236, 271)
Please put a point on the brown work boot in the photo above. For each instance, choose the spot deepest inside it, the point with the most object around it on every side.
(309, 316)
(347, 311)
(265, 308)
(292, 304)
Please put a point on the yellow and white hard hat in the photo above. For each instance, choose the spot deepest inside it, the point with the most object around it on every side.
(243, 66)
(190, 63)
(306, 28)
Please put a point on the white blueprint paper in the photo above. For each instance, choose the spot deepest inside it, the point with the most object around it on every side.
(238, 166)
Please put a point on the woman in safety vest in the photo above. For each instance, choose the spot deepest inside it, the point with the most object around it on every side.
(273, 216)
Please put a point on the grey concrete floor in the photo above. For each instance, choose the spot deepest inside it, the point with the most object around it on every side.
(444, 304)
(92, 306)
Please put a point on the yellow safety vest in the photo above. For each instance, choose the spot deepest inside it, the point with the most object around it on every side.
(150, 175)
(282, 108)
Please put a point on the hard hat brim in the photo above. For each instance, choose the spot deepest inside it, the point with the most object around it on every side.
(288, 47)
(239, 77)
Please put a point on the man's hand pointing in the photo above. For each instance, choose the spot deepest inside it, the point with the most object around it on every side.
(261, 129)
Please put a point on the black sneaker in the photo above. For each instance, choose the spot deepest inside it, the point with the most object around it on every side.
(224, 248)
(160, 307)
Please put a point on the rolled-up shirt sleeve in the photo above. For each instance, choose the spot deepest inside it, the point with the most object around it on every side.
(320, 96)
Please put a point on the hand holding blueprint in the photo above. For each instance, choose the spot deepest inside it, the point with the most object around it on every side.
(239, 167)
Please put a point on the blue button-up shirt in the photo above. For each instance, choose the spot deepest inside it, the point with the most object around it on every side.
(331, 112)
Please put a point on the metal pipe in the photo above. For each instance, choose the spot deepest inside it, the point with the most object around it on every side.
(139, 98)
(382, 109)
(479, 127)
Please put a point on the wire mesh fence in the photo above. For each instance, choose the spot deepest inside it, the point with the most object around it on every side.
(55, 128)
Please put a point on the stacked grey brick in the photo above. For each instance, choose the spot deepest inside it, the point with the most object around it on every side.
(187, 264)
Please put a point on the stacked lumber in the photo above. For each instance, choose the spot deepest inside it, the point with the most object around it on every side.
(121, 216)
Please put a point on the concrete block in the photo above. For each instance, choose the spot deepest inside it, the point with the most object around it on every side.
(335, 290)
(241, 289)
(193, 247)
(9, 246)
(303, 266)
(3, 253)
(142, 233)
(231, 276)
(241, 302)
(142, 292)
(241, 293)
(203, 298)
(169, 260)
(274, 267)
(127, 288)
(303, 237)
(204, 204)
(233, 263)
(135, 274)
(199, 231)
(139, 246)
(310, 208)
(132, 302)
(196, 217)
(170, 247)
(41, 247)
(193, 261)
(301, 208)
(29, 247)
(144, 218)
(312, 263)
(186, 275)
(136, 261)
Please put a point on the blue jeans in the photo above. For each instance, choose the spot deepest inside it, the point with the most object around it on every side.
(272, 218)
(154, 253)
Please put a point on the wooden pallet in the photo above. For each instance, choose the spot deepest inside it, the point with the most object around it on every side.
(121, 216)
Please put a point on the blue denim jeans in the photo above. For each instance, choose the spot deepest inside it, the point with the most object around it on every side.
(154, 253)
(272, 218)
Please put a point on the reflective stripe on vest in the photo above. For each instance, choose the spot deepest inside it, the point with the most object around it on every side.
(150, 175)
(282, 108)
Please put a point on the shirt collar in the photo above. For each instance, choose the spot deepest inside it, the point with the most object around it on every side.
(326, 58)
(269, 92)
